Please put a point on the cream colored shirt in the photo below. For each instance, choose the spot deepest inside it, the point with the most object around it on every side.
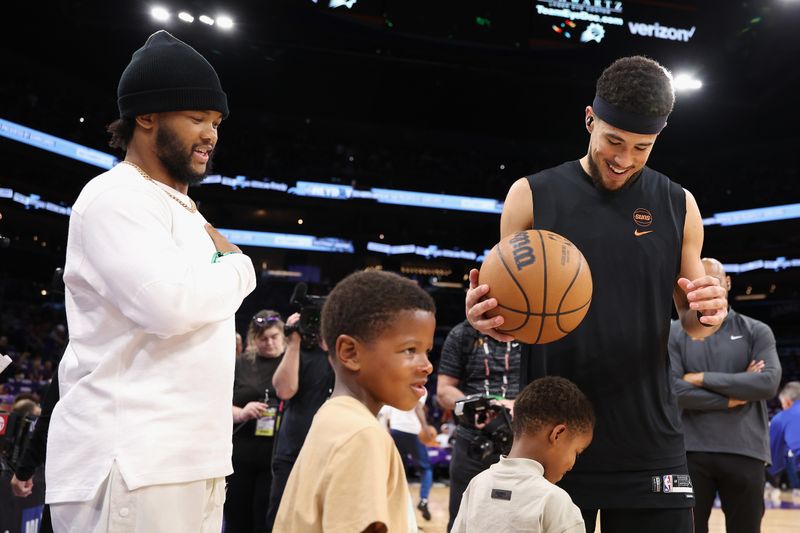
(513, 496)
(348, 475)
(147, 377)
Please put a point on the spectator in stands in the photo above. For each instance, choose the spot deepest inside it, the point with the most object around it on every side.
(405, 428)
(784, 435)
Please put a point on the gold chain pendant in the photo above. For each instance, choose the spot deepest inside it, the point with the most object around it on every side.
(191, 208)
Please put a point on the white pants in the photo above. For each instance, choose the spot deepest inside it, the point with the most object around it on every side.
(194, 507)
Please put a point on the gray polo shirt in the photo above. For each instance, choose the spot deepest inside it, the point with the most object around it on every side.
(708, 424)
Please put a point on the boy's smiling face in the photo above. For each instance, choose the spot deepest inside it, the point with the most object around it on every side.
(394, 366)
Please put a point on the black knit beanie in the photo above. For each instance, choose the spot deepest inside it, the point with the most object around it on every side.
(167, 74)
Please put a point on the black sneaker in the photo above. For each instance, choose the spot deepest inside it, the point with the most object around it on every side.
(423, 508)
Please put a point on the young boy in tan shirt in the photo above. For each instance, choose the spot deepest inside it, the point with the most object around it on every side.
(349, 477)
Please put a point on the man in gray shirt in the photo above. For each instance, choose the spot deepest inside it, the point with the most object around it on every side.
(722, 383)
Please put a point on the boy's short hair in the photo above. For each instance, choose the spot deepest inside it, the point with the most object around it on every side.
(364, 304)
(551, 400)
(639, 85)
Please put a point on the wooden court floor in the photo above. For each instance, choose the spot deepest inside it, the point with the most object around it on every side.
(775, 520)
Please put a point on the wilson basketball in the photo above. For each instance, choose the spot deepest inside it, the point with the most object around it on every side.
(542, 283)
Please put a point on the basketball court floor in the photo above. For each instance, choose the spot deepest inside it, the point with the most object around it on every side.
(782, 514)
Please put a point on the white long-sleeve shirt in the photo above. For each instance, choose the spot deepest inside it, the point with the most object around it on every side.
(147, 377)
(514, 496)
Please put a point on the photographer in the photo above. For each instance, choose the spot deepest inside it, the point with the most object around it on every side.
(303, 380)
(474, 364)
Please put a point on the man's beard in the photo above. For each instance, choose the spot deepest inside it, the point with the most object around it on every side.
(597, 177)
(176, 159)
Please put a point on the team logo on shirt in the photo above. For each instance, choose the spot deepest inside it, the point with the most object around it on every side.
(642, 217)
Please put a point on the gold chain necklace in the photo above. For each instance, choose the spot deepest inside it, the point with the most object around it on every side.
(191, 208)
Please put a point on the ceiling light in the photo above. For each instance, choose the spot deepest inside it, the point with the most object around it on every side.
(205, 19)
(226, 23)
(186, 17)
(159, 13)
(685, 82)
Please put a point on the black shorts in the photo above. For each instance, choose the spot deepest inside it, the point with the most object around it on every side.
(665, 488)
(639, 520)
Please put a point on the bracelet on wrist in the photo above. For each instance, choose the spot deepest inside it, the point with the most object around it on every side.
(217, 255)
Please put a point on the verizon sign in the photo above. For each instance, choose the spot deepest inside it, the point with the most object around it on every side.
(658, 31)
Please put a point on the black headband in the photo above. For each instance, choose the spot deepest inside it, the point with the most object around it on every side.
(625, 120)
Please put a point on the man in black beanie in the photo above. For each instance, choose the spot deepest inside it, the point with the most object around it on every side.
(140, 440)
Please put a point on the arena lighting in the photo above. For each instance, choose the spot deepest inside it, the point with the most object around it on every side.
(284, 274)
(34, 201)
(425, 271)
(686, 82)
(159, 13)
(746, 297)
(447, 285)
(429, 251)
(779, 263)
(51, 143)
(205, 19)
(224, 22)
(186, 17)
(753, 216)
(339, 3)
(333, 244)
(287, 241)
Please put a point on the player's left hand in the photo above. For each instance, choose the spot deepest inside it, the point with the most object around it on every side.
(706, 296)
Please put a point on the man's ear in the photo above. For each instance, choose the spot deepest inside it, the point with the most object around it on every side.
(147, 122)
(347, 352)
(557, 433)
(589, 118)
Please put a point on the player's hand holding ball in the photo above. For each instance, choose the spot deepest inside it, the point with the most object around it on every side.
(536, 287)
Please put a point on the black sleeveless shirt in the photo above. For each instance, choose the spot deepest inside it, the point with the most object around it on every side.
(632, 240)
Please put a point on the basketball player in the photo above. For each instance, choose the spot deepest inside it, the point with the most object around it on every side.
(140, 439)
(641, 235)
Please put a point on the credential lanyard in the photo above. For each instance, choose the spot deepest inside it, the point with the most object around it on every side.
(486, 354)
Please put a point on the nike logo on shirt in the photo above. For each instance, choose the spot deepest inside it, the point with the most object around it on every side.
(640, 233)
(736, 337)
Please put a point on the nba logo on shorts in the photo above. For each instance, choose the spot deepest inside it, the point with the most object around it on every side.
(667, 483)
